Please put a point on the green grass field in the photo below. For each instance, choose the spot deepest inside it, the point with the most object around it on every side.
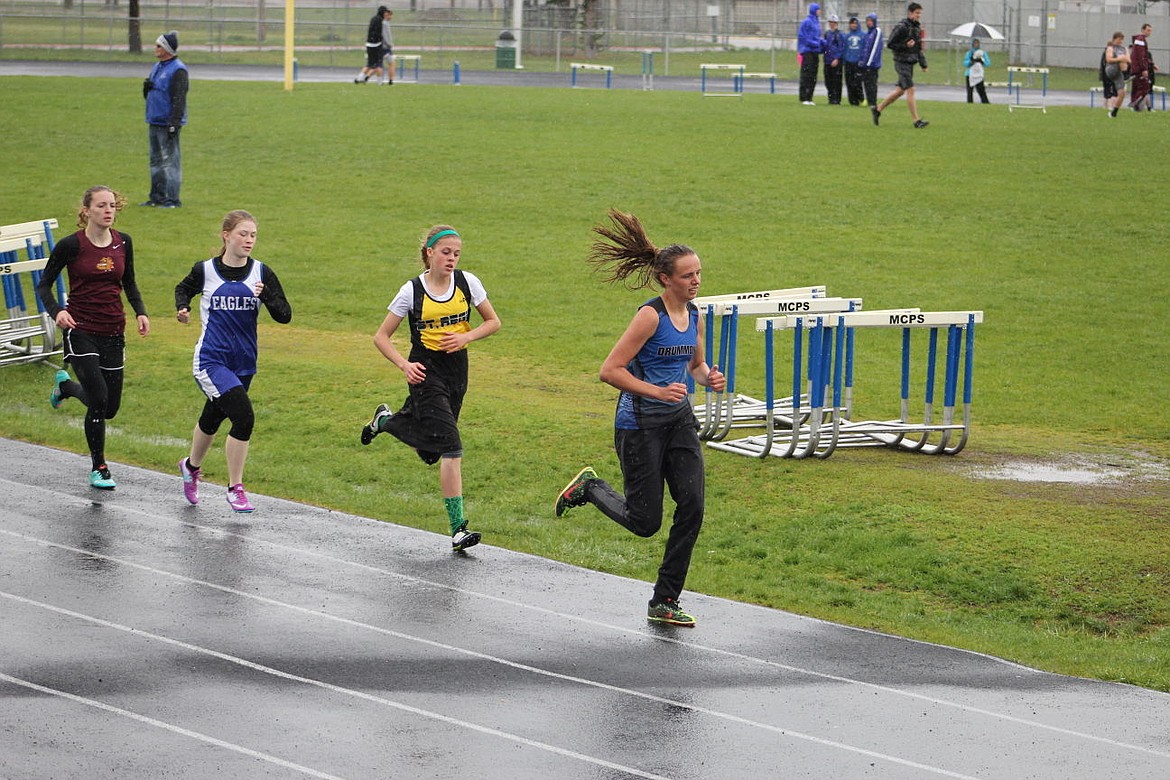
(1049, 223)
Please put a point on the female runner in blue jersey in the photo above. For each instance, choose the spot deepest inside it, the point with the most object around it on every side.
(233, 285)
(656, 434)
(437, 306)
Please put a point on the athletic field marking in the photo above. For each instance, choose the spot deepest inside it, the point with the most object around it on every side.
(307, 681)
(441, 646)
(434, 715)
(163, 725)
(617, 629)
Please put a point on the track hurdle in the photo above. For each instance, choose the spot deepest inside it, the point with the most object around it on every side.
(738, 407)
(717, 67)
(739, 80)
(583, 66)
(25, 337)
(815, 430)
(1029, 75)
(401, 61)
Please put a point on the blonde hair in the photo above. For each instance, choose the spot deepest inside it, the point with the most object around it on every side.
(87, 198)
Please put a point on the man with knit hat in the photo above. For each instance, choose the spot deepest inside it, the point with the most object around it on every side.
(165, 91)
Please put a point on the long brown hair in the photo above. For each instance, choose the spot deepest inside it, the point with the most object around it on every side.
(624, 250)
(435, 230)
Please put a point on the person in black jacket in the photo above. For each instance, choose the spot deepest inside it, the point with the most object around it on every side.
(906, 44)
(374, 49)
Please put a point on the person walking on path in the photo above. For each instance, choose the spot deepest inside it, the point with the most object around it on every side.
(870, 63)
(1143, 68)
(165, 92)
(854, 38)
(974, 62)
(437, 306)
(1115, 67)
(374, 50)
(906, 44)
(834, 58)
(388, 45)
(233, 285)
(809, 45)
(655, 431)
(99, 262)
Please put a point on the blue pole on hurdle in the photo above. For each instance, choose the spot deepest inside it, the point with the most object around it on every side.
(797, 366)
(969, 358)
(573, 77)
(839, 358)
(647, 69)
(455, 72)
(931, 364)
(950, 390)
(769, 373)
(905, 370)
(730, 357)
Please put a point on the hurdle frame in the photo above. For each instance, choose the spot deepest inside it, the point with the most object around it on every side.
(719, 66)
(739, 81)
(21, 331)
(1030, 73)
(812, 430)
(575, 66)
(400, 61)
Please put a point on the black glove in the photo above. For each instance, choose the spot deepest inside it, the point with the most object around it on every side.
(146, 86)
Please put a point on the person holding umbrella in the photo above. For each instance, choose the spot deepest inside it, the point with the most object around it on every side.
(974, 61)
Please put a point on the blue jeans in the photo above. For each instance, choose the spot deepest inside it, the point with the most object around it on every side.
(166, 169)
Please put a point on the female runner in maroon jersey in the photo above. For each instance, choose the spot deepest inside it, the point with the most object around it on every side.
(100, 265)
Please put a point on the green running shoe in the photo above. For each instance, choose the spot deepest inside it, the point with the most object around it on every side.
(100, 478)
(574, 492)
(668, 611)
(55, 397)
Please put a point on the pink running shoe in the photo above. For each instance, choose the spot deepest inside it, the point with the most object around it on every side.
(238, 500)
(191, 479)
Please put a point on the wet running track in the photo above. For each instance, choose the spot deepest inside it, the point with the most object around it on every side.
(141, 637)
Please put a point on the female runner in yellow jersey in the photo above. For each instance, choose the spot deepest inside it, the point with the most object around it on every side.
(437, 306)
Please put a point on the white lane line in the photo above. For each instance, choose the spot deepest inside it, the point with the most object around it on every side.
(299, 679)
(455, 650)
(598, 624)
(168, 727)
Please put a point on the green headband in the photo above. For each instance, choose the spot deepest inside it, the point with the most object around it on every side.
(431, 241)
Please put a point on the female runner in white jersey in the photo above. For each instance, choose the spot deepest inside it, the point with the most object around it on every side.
(437, 305)
(233, 285)
(656, 434)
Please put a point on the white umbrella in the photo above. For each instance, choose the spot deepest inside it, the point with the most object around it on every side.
(977, 30)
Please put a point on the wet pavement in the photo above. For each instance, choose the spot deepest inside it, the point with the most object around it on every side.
(521, 78)
(141, 637)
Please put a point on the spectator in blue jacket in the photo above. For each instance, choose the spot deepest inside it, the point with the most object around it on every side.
(853, 40)
(974, 61)
(165, 91)
(809, 45)
(871, 59)
(834, 57)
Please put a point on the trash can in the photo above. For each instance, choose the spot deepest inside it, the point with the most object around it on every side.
(506, 50)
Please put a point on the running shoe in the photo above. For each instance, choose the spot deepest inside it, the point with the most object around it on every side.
(921, 123)
(574, 492)
(877, 115)
(191, 479)
(374, 426)
(100, 478)
(463, 538)
(238, 500)
(668, 611)
(55, 397)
